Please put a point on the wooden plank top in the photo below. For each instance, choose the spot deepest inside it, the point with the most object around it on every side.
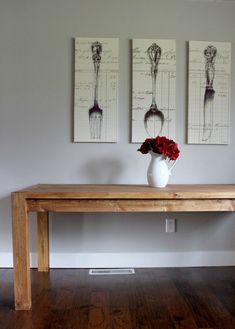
(100, 191)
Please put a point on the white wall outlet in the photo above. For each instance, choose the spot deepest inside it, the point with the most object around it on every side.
(170, 225)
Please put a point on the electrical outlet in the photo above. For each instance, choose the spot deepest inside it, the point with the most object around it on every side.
(170, 225)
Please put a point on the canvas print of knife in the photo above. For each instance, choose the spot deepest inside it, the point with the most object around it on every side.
(210, 53)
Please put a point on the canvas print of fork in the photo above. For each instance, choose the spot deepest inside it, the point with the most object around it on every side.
(209, 92)
(153, 88)
(95, 90)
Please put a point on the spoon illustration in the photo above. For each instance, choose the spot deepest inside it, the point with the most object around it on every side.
(153, 115)
(95, 112)
(210, 53)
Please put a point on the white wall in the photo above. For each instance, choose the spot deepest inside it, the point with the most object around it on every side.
(36, 127)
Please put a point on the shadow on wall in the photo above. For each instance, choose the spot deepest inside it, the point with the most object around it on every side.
(102, 171)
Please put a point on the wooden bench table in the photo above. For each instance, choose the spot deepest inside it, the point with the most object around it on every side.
(97, 198)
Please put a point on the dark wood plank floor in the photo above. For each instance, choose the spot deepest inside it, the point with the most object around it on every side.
(176, 298)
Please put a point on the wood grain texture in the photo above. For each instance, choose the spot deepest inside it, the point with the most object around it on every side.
(164, 298)
(20, 234)
(75, 191)
(43, 241)
(66, 205)
(98, 198)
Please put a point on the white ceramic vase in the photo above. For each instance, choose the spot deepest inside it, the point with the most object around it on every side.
(159, 171)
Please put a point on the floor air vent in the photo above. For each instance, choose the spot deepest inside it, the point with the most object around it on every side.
(110, 271)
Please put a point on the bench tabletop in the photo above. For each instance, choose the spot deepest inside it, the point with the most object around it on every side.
(118, 191)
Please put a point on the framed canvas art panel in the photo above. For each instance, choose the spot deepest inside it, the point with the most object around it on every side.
(209, 74)
(96, 89)
(153, 88)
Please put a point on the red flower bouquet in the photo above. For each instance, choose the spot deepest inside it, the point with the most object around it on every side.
(161, 145)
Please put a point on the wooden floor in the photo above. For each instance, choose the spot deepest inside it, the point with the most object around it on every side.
(176, 298)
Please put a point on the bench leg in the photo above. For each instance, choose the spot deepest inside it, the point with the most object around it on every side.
(20, 234)
(43, 241)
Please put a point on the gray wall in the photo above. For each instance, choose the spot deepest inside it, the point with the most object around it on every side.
(36, 125)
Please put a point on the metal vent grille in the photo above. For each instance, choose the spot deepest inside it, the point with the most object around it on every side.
(111, 271)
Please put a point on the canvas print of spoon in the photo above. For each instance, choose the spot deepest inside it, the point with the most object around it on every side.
(95, 112)
(154, 118)
(210, 53)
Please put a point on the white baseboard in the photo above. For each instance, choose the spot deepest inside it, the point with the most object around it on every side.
(114, 260)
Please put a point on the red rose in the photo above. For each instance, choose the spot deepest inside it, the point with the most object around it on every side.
(162, 145)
